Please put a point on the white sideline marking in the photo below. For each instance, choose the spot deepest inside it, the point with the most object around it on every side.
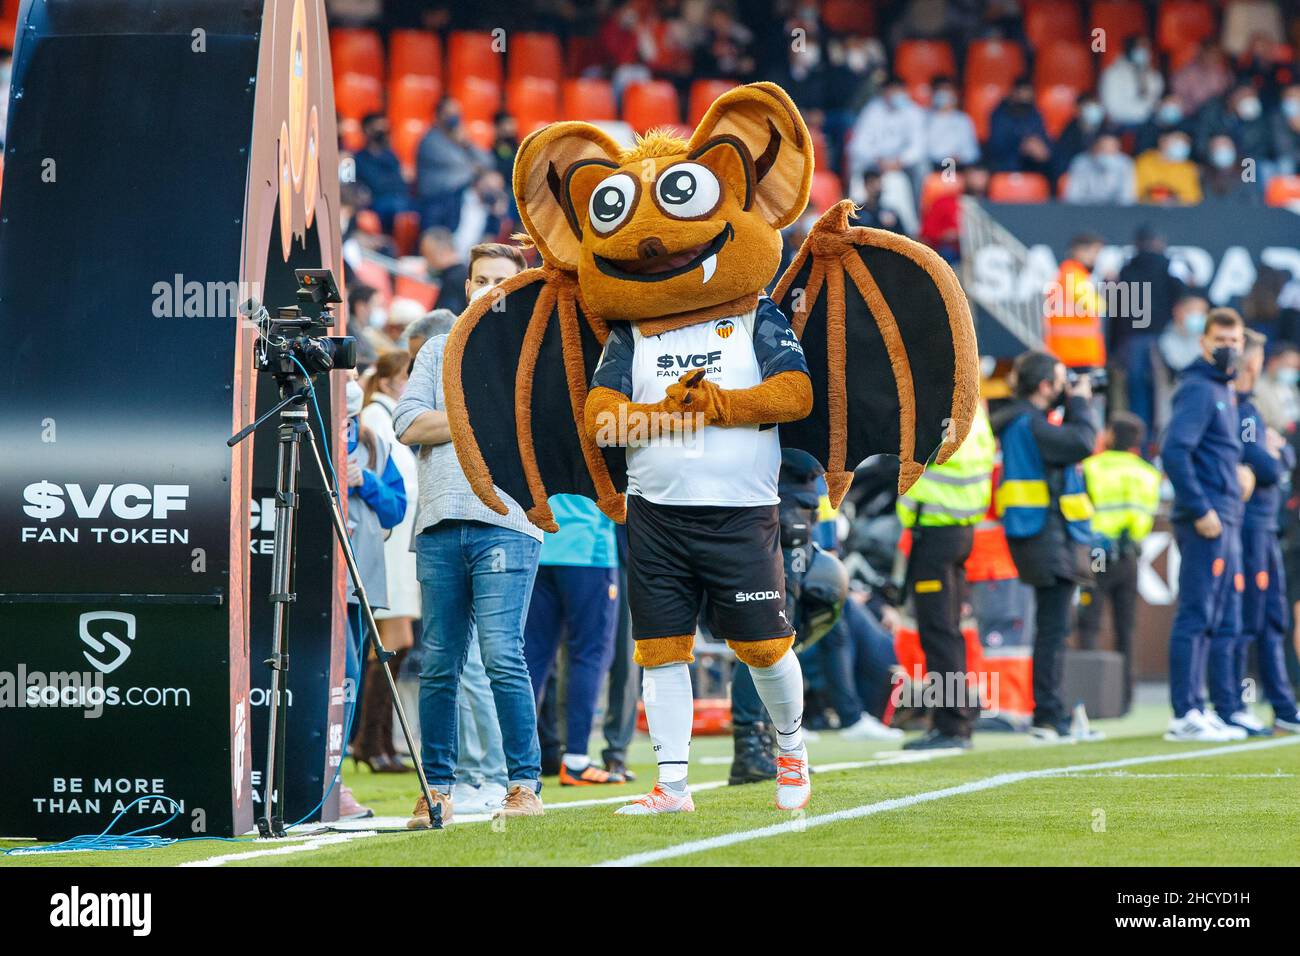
(870, 809)
(312, 843)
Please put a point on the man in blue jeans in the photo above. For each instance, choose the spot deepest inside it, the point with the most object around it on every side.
(476, 568)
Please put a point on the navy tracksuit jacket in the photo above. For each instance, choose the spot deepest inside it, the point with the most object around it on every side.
(1263, 603)
(1202, 448)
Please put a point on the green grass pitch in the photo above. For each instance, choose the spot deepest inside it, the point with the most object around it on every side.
(1238, 808)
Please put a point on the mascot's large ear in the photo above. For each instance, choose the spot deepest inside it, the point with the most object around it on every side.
(541, 183)
(762, 119)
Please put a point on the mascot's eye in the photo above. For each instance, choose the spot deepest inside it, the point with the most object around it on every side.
(611, 202)
(687, 191)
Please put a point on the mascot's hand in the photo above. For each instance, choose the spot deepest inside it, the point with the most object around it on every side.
(695, 394)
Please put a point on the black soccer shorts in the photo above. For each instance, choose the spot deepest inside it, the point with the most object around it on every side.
(679, 554)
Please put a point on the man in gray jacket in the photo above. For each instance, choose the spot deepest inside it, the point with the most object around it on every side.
(476, 568)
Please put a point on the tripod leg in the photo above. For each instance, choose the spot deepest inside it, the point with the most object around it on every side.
(381, 653)
(293, 422)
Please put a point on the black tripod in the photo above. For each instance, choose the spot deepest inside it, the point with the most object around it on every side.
(294, 428)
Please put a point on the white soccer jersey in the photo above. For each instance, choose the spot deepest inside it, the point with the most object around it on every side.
(716, 466)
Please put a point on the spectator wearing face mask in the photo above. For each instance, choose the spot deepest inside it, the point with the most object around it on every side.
(1104, 174)
(1224, 177)
(1286, 130)
(1132, 331)
(1018, 139)
(379, 170)
(1276, 396)
(1131, 87)
(484, 212)
(1169, 115)
(1167, 175)
(1089, 123)
(949, 133)
(1241, 117)
(1176, 348)
(889, 133)
(445, 165)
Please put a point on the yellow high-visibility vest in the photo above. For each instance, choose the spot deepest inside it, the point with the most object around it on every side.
(1125, 493)
(958, 491)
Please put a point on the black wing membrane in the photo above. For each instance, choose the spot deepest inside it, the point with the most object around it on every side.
(515, 376)
(887, 333)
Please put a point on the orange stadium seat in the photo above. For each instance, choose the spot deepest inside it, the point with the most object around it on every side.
(981, 101)
(1057, 104)
(646, 105)
(406, 231)
(994, 61)
(1064, 64)
(1283, 191)
(413, 97)
(1183, 23)
(536, 55)
(357, 51)
(826, 190)
(1047, 21)
(357, 94)
(1019, 187)
(703, 93)
(8, 24)
(350, 134)
(533, 102)
(1118, 20)
(937, 184)
(480, 133)
(580, 54)
(849, 16)
(414, 53)
(371, 273)
(471, 53)
(584, 99)
(406, 136)
(920, 61)
(479, 98)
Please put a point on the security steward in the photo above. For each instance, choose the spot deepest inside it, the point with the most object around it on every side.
(942, 509)
(1125, 493)
(1045, 511)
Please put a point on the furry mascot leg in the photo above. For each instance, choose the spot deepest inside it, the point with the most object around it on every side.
(669, 711)
(779, 682)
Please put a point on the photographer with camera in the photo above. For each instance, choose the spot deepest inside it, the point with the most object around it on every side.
(1045, 510)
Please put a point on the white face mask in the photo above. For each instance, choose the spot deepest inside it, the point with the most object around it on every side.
(480, 292)
(1249, 109)
(354, 396)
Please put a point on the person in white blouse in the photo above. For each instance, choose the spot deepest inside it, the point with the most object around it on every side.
(374, 741)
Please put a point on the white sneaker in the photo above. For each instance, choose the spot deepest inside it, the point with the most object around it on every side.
(793, 782)
(1228, 730)
(1286, 726)
(493, 795)
(658, 800)
(868, 728)
(468, 798)
(1192, 727)
(1252, 724)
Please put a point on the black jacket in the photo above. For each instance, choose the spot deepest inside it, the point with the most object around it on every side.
(1052, 554)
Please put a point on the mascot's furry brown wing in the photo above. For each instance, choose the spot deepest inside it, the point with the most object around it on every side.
(649, 305)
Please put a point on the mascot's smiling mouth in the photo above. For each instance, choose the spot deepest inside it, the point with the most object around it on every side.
(669, 265)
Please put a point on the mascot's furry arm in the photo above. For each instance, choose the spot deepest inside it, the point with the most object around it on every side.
(671, 233)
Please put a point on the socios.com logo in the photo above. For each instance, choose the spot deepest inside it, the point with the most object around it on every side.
(110, 650)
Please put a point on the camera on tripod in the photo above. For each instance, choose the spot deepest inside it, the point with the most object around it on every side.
(297, 335)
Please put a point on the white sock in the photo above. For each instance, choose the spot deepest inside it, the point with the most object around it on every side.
(670, 711)
(780, 688)
(577, 762)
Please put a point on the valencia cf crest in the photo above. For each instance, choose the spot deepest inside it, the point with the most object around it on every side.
(724, 328)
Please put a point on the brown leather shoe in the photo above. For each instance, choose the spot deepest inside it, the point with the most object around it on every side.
(420, 815)
(521, 801)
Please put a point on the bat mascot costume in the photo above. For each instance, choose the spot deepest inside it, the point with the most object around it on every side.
(643, 366)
